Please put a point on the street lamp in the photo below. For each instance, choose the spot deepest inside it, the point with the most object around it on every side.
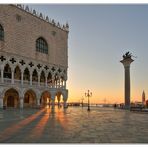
(88, 94)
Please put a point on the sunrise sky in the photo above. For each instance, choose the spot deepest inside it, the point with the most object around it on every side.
(99, 36)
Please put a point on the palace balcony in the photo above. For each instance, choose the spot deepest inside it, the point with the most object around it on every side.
(25, 83)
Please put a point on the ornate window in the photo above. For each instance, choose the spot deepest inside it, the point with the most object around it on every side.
(41, 45)
(1, 33)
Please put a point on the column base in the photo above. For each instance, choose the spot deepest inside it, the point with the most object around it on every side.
(52, 104)
(127, 107)
(65, 105)
(1, 104)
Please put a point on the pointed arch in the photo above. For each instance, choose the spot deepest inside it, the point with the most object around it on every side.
(49, 78)
(42, 78)
(17, 73)
(59, 97)
(35, 76)
(26, 75)
(11, 98)
(7, 71)
(45, 99)
(56, 78)
(30, 98)
(62, 79)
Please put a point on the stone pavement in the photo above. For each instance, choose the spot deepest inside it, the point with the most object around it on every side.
(73, 125)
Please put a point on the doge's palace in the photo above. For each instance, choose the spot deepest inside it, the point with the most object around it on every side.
(33, 58)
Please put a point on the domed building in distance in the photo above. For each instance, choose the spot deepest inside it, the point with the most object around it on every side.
(33, 58)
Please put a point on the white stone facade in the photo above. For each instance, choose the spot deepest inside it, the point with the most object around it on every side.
(28, 77)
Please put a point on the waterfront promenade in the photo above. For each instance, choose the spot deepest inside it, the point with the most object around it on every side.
(73, 125)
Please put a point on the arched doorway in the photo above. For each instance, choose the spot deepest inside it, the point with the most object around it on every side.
(45, 99)
(11, 98)
(30, 99)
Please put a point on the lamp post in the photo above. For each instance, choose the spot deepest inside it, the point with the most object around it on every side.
(88, 94)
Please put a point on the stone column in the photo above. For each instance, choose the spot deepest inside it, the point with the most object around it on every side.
(38, 102)
(1, 102)
(64, 83)
(53, 82)
(126, 63)
(2, 75)
(22, 76)
(46, 81)
(52, 103)
(12, 76)
(21, 102)
(65, 97)
(64, 103)
(30, 78)
(59, 82)
(38, 79)
(52, 100)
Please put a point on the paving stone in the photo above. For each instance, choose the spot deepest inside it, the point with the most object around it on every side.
(74, 125)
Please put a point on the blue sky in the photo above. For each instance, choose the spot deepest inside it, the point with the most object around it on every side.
(99, 36)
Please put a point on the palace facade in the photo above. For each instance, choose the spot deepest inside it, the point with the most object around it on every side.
(33, 58)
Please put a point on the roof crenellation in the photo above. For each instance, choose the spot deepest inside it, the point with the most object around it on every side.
(43, 17)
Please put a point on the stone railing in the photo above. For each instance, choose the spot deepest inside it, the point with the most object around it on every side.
(25, 82)
(7, 80)
(34, 83)
(42, 84)
(17, 81)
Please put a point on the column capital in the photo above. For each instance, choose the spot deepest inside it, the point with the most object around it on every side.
(2, 67)
(39, 73)
(46, 74)
(31, 71)
(127, 62)
(12, 69)
(22, 70)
